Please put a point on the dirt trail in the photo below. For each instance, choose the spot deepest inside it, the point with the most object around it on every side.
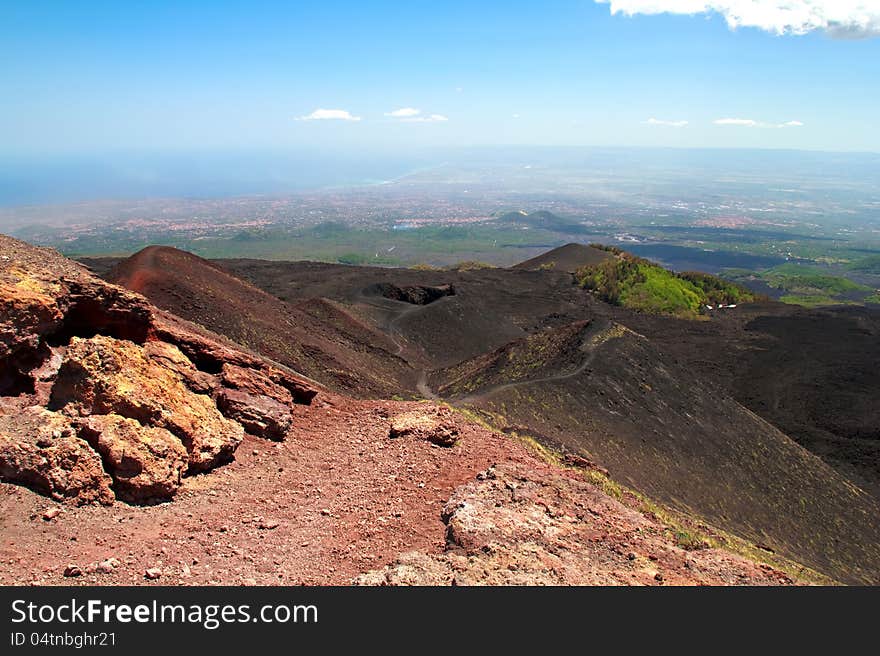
(589, 345)
(390, 328)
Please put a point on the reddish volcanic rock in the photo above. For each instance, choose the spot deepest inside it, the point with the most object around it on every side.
(531, 525)
(255, 383)
(40, 449)
(435, 424)
(258, 415)
(103, 375)
(146, 463)
(252, 399)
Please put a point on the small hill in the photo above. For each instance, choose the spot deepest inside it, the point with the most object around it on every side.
(544, 220)
(568, 258)
(639, 284)
(316, 337)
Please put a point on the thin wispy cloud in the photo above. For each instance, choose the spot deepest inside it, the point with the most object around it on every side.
(669, 124)
(329, 115)
(404, 112)
(743, 122)
(430, 118)
(413, 115)
(846, 19)
(751, 123)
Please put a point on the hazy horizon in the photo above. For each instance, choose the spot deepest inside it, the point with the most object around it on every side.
(26, 181)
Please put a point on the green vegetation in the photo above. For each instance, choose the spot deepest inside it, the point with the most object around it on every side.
(806, 281)
(870, 264)
(469, 265)
(641, 285)
(809, 300)
(873, 298)
(364, 260)
(717, 290)
(808, 286)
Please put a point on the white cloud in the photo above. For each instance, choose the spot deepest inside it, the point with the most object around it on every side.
(431, 118)
(329, 115)
(404, 112)
(839, 18)
(671, 124)
(750, 123)
(744, 122)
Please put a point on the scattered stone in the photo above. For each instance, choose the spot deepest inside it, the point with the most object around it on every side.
(434, 424)
(72, 570)
(51, 513)
(152, 573)
(269, 524)
(108, 566)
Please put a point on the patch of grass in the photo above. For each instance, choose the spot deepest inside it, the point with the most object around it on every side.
(470, 265)
(641, 285)
(810, 300)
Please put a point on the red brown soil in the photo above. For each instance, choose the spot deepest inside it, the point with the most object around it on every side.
(336, 499)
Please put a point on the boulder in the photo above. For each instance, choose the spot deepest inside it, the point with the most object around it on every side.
(41, 450)
(259, 415)
(435, 424)
(146, 463)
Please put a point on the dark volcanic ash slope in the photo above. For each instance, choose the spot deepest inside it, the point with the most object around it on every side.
(490, 307)
(604, 392)
(314, 336)
(811, 373)
(570, 258)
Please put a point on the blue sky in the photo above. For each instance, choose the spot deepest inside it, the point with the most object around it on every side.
(85, 77)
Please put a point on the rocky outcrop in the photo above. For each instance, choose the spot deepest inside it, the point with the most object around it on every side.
(102, 375)
(436, 424)
(103, 396)
(518, 526)
(41, 449)
(146, 463)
